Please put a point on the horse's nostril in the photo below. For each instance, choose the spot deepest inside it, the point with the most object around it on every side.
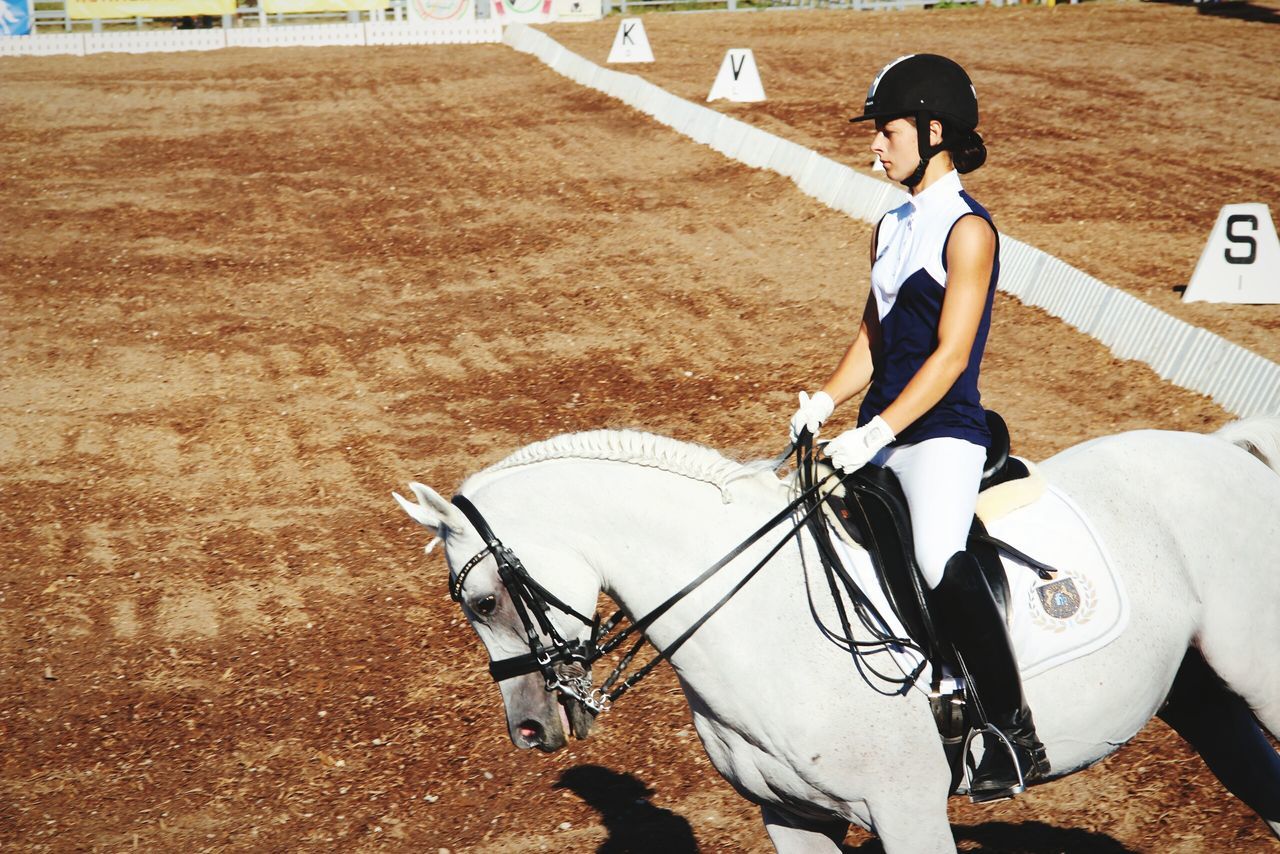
(531, 731)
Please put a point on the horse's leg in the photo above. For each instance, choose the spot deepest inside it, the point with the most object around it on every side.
(791, 833)
(1222, 729)
(906, 824)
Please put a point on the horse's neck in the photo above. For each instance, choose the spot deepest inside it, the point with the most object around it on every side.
(648, 533)
(762, 646)
(645, 532)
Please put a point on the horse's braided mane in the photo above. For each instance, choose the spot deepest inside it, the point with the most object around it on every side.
(627, 446)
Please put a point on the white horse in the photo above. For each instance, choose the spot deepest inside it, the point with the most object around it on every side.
(1191, 521)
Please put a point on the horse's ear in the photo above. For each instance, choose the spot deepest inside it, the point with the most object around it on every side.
(432, 511)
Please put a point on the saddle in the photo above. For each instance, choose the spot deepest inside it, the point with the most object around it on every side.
(872, 509)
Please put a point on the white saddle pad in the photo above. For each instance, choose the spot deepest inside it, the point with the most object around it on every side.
(1083, 608)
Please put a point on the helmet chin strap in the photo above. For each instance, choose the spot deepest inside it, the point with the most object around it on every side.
(917, 176)
(926, 151)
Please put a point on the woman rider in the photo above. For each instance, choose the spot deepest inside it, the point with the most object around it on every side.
(935, 263)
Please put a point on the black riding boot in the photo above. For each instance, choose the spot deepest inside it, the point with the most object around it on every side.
(964, 607)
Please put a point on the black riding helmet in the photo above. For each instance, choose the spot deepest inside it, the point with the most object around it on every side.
(926, 86)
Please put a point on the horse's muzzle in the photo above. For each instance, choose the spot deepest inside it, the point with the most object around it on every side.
(532, 733)
(550, 731)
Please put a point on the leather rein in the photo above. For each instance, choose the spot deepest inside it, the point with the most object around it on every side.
(533, 603)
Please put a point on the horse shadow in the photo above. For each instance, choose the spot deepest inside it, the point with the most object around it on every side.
(634, 824)
(1028, 837)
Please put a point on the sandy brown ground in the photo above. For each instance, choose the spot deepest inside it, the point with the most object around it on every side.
(248, 293)
(1116, 131)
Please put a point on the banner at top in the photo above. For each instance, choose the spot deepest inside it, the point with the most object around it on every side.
(15, 17)
(271, 7)
(89, 9)
(441, 10)
(510, 11)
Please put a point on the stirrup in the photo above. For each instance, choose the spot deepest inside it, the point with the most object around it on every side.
(1005, 742)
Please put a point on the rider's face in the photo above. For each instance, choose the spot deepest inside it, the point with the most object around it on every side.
(895, 145)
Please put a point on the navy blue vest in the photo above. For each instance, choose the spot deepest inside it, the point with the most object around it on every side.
(909, 283)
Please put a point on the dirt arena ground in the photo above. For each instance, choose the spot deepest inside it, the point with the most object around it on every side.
(246, 294)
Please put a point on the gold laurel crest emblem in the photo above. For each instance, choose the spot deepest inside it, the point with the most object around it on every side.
(1066, 602)
(1060, 598)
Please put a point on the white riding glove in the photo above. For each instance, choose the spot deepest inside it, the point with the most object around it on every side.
(812, 412)
(853, 449)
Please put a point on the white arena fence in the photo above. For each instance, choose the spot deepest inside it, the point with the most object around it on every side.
(1240, 381)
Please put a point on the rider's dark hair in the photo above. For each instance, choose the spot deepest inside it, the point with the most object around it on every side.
(967, 150)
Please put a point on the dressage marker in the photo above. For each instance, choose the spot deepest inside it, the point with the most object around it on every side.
(738, 79)
(630, 44)
(1241, 261)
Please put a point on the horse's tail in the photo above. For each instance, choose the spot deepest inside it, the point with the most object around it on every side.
(1259, 436)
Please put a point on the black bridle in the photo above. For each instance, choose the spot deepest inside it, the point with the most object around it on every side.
(533, 603)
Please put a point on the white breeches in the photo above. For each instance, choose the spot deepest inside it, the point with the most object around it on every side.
(940, 478)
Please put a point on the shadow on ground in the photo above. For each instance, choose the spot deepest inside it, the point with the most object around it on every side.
(1032, 837)
(634, 824)
(1241, 10)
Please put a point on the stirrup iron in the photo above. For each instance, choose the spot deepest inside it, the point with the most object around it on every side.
(970, 767)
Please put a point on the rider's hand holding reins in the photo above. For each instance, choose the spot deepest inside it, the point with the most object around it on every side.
(812, 412)
(853, 449)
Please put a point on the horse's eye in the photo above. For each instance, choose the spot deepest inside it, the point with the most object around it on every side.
(484, 605)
